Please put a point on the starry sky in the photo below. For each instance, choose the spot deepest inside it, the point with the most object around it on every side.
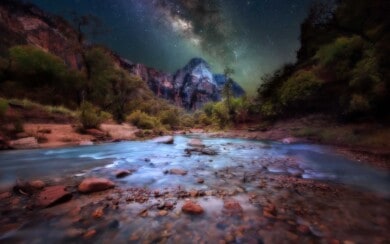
(254, 37)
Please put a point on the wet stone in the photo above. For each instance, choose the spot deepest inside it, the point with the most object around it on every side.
(177, 172)
(191, 207)
(53, 195)
(90, 185)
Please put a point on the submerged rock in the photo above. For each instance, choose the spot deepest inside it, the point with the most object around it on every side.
(191, 207)
(177, 172)
(164, 139)
(95, 184)
(53, 195)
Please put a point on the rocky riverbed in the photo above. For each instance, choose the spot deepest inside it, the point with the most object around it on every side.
(196, 190)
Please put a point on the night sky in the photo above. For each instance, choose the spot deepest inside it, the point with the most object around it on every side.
(252, 36)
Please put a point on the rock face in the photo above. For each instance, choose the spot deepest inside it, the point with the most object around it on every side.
(22, 24)
(95, 184)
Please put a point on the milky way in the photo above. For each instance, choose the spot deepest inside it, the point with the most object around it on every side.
(253, 37)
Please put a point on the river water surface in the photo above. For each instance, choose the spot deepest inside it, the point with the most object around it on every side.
(253, 173)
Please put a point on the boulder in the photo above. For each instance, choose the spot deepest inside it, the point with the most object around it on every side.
(191, 207)
(164, 139)
(90, 185)
(53, 195)
(24, 143)
(196, 143)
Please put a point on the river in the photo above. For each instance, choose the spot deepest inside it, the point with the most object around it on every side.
(254, 174)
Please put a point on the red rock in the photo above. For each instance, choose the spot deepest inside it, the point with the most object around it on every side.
(37, 184)
(178, 171)
(5, 195)
(53, 195)
(191, 207)
(95, 184)
(232, 206)
(98, 213)
(162, 212)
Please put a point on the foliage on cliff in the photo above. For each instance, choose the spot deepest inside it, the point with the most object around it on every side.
(342, 66)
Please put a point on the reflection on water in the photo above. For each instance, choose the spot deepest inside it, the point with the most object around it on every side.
(150, 160)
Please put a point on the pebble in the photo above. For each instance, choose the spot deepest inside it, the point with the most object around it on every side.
(162, 212)
(98, 213)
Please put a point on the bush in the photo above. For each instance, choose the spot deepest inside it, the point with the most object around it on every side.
(220, 115)
(269, 109)
(143, 120)
(170, 118)
(89, 116)
(301, 86)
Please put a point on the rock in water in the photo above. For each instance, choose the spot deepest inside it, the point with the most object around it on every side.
(177, 172)
(191, 207)
(53, 195)
(122, 173)
(164, 139)
(195, 143)
(95, 184)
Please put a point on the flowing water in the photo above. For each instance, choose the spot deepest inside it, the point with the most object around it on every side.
(236, 171)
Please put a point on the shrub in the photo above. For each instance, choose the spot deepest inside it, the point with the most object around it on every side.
(89, 116)
(269, 109)
(170, 118)
(343, 48)
(143, 120)
(301, 86)
(220, 115)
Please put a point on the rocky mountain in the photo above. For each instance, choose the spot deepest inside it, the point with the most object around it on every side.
(189, 87)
